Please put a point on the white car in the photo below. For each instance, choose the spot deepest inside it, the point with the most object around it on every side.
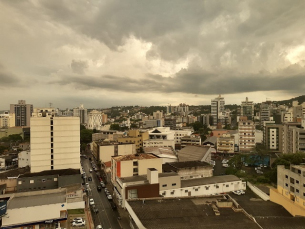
(77, 219)
(225, 165)
(99, 227)
(109, 197)
(225, 161)
(242, 192)
(90, 170)
(91, 201)
(237, 192)
(78, 223)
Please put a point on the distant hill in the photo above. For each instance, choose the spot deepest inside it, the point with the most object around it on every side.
(288, 102)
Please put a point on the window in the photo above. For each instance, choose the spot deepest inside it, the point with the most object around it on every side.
(297, 190)
(20, 182)
(164, 185)
(173, 184)
(135, 170)
(172, 192)
(296, 181)
(186, 191)
(31, 181)
(55, 179)
(43, 180)
(133, 193)
(135, 163)
(227, 185)
(286, 184)
(196, 189)
(286, 176)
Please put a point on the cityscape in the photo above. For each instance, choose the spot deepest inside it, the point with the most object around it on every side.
(147, 167)
(152, 114)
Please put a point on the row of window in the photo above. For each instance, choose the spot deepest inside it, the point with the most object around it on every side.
(42, 180)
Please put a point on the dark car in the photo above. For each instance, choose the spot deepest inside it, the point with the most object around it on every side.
(89, 178)
(99, 188)
(113, 206)
(95, 210)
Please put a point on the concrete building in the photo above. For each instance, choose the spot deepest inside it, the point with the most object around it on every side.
(7, 120)
(158, 115)
(111, 135)
(55, 143)
(133, 165)
(247, 109)
(218, 110)
(293, 138)
(290, 192)
(103, 151)
(82, 113)
(136, 137)
(189, 169)
(160, 137)
(24, 159)
(44, 112)
(170, 122)
(190, 140)
(273, 137)
(22, 113)
(96, 119)
(196, 153)
(180, 134)
(152, 123)
(246, 131)
(265, 112)
(225, 143)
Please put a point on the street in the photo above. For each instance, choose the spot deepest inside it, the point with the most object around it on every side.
(106, 217)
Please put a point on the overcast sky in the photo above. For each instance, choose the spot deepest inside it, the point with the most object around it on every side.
(111, 53)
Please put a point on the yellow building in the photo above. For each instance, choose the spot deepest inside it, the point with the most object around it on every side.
(136, 137)
(290, 192)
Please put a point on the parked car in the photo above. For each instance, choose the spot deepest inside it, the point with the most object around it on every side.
(91, 201)
(90, 170)
(95, 210)
(106, 190)
(237, 192)
(109, 197)
(113, 206)
(103, 185)
(89, 178)
(78, 223)
(99, 188)
(99, 227)
(225, 165)
(242, 192)
(77, 219)
(225, 161)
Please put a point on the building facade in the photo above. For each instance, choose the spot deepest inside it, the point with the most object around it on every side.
(246, 131)
(55, 143)
(218, 110)
(22, 113)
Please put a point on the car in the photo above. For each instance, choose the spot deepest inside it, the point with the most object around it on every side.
(113, 206)
(95, 210)
(99, 188)
(77, 219)
(225, 165)
(242, 192)
(89, 178)
(225, 161)
(90, 170)
(87, 185)
(106, 190)
(78, 223)
(259, 171)
(107, 193)
(103, 185)
(109, 197)
(95, 169)
(99, 227)
(237, 192)
(91, 201)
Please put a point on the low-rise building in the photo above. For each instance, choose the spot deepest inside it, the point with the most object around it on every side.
(196, 153)
(290, 192)
(190, 140)
(225, 143)
(24, 159)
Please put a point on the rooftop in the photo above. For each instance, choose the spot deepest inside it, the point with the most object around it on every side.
(60, 172)
(37, 200)
(141, 156)
(14, 172)
(186, 164)
(160, 151)
(208, 180)
(192, 153)
(191, 213)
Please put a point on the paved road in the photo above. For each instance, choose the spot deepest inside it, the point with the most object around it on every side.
(106, 216)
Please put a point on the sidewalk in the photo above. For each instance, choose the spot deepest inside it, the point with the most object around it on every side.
(124, 221)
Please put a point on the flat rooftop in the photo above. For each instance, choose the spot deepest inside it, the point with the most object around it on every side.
(144, 177)
(141, 156)
(189, 164)
(190, 213)
(36, 200)
(208, 180)
(60, 172)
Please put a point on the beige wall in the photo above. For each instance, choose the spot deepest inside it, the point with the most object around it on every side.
(143, 165)
(11, 184)
(279, 197)
(127, 168)
(168, 181)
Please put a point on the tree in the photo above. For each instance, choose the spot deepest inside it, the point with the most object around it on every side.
(86, 136)
(196, 126)
(82, 127)
(115, 126)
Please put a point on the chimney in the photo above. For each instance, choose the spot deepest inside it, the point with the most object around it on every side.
(152, 176)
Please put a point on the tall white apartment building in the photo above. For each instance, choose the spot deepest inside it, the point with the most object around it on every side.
(22, 112)
(7, 120)
(218, 110)
(55, 143)
(246, 130)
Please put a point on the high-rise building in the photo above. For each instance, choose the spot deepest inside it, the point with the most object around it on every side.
(218, 110)
(81, 112)
(96, 119)
(246, 130)
(23, 113)
(247, 109)
(55, 143)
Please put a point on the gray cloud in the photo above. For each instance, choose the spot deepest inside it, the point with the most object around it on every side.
(7, 78)
(79, 66)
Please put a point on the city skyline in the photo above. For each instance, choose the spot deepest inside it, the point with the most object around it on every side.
(113, 53)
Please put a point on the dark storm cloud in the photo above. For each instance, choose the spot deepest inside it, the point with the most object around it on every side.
(79, 66)
(196, 82)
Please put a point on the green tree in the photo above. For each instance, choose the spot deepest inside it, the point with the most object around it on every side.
(115, 126)
(196, 126)
(86, 136)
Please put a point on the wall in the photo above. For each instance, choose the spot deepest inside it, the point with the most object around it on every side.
(64, 181)
(205, 190)
(258, 192)
(11, 184)
(192, 173)
(168, 181)
(106, 152)
(144, 191)
(288, 204)
(38, 183)
(143, 165)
